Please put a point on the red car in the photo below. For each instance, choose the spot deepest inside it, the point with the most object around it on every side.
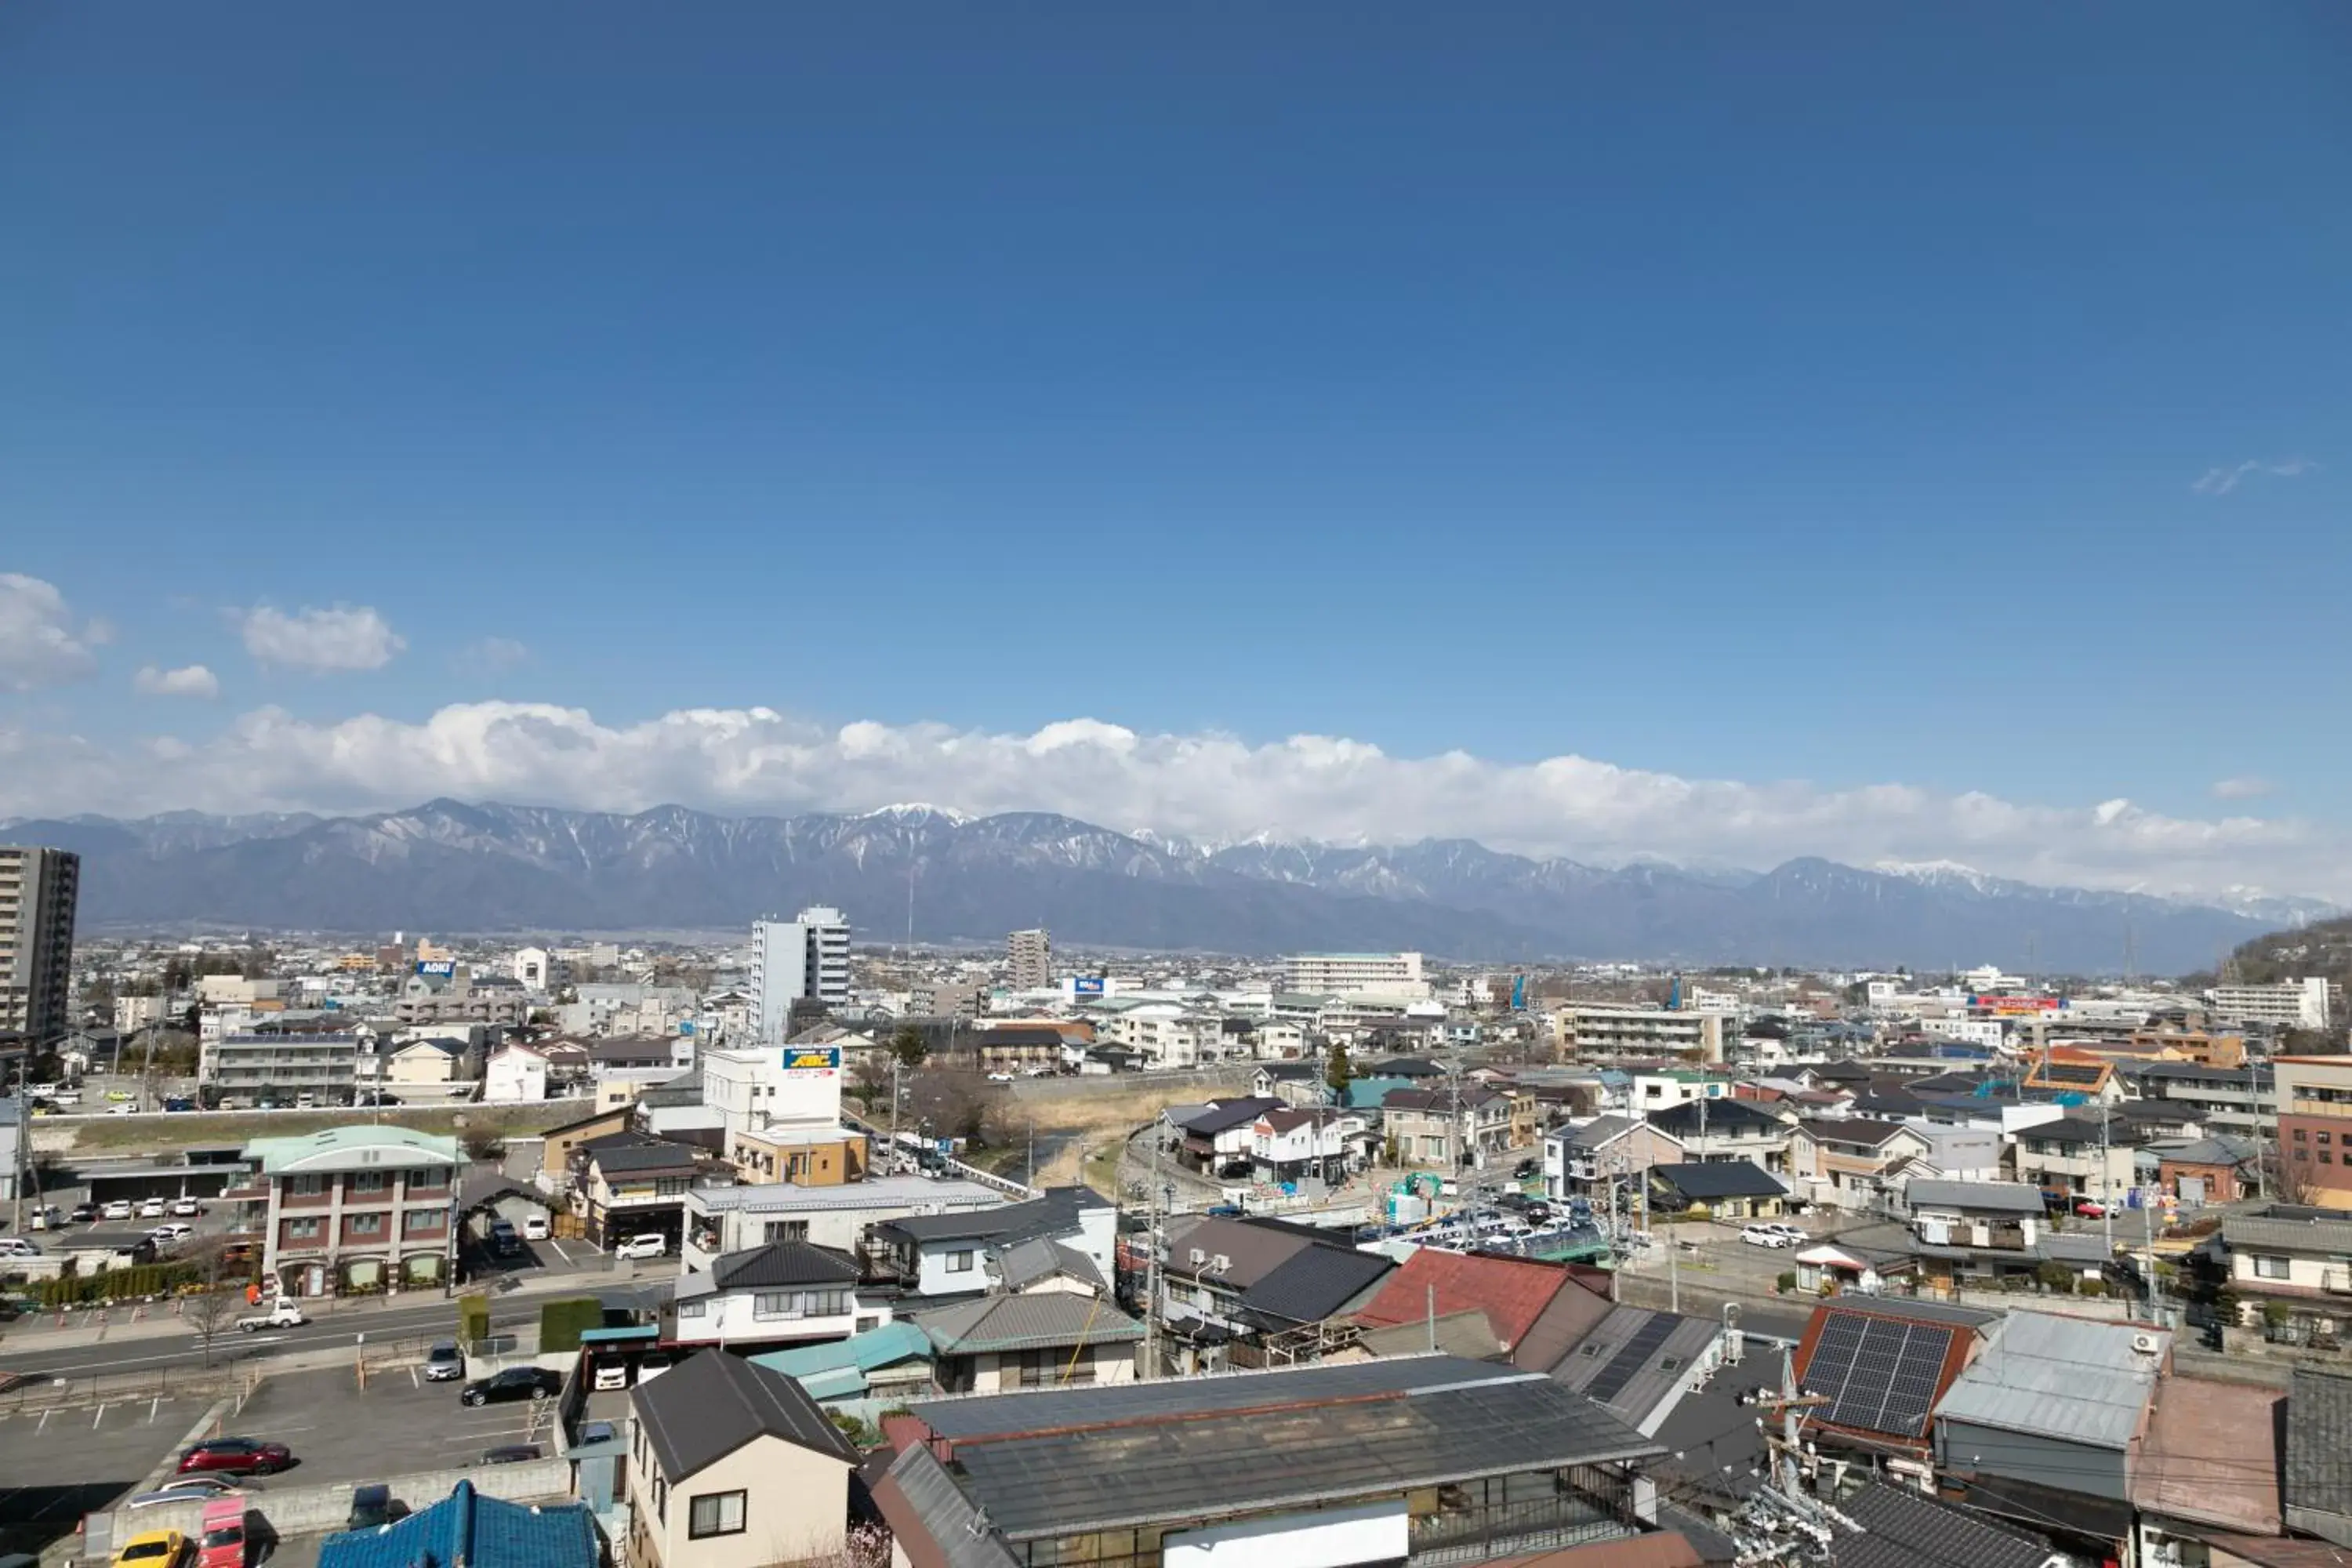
(237, 1457)
(2089, 1208)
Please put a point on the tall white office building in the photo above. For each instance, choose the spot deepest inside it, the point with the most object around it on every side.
(804, 958)
(1356, 973)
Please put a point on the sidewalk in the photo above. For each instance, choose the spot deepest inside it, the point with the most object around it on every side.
(40, 1332)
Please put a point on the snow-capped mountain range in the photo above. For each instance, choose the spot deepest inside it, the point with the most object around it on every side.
(449, 866)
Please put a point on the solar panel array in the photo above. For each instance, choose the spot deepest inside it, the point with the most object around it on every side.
(1879, 1374)
(1610, 1380)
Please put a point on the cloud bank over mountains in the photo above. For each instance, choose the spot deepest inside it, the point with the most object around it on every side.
(1208, 787)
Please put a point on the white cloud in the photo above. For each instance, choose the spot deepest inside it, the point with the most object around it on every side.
(39, 643)
(1206, 785)
(348, 636)
(2221, 482)
(2245, 787)
(189, 680)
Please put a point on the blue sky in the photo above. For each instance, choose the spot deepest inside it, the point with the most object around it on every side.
(1722, 394)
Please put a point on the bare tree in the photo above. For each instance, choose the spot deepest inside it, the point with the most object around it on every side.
(2289, 1179)
(211, 1308)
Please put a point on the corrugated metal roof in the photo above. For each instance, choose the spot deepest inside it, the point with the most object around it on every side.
(1314, 1283)
(1985, 1197)
(934, 1523)
(2067, 1378)
(977, 1416)
(1635, 1360)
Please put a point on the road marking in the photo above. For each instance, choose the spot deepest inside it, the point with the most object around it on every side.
(45, 1421)
(413, 1382)
(96, 1418)
(559, 1252)
(151, 1406)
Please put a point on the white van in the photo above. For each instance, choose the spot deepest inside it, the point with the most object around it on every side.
(534, 1227)
(649, 1243)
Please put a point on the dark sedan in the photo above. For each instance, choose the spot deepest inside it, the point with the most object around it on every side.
(515, 1382)
(237, 1457)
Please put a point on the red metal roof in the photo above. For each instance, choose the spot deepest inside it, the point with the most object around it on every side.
(1512, 1291)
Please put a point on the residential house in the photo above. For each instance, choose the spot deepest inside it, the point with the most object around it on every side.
(2083, 1078)
(812, 1155)
(1294, 1083)
(1317, 1145)
(1045, 1339)
(1026, 1049)
(1854, 1163)
(2047, 1421)
(1415, 1458)
(1434, 1127)
(784, 1292)
(2291, 1270)
(1588, 1161)
(945, 1255)
(1215, 1138)
(723, 1219)
(514, 1073)
(1726, 1129)
(868, 1372)
(2208, 1469)
(558, 1143)
(627, 1184)
(355, 1210)
(1638, 1363)
(734, 1466)
(2078, 1157)
(479, 1532)
(1727, 1189)
(1237, 1292)
(433, 1061)
(2218, 1169)
(1883, 1367)
(1531, 1311)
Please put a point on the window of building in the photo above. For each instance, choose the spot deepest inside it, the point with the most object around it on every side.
(690, 1309)
(367, 1225)
(417, 1220)
(369, 1180)
(714, 1513)
(306, 1186)
(302, 1229)
(2298, 1134)
(2326, 1158)
(2321, 1138)
(960, 1262)
(785, 1230)
(2303, 1153)
(2267, 1268)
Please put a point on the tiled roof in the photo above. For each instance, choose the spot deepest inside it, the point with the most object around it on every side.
(1313, 1284)
(1720, 1179)
(783, 1263)
(701, 1411)
(2288, 1235)
(2318, 1436)
(1902, 1528)
(1051, 1321)
(1512, 1291)
(467, 1530)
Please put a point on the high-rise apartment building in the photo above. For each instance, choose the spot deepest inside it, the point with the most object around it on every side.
(802, 959)
(39, 888)
(1356, 973)
(1030, 956)
(2291, 1004)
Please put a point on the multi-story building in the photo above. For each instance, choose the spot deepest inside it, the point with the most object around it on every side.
(802, 959)
(1422, 1127)
(253, 1067)
(2241, 1100)
(2300, 1258)
(2315, 1128)
(2291, 1004)
(1029, 958)
(1591, 1032)
(2075, 1156)
(354, 1210)
(1351, 973)
(39, 888)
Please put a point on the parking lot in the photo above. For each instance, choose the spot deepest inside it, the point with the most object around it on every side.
(57, 1467)
(397, 1425)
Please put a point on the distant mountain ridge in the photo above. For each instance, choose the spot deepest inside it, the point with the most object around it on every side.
(450, 866)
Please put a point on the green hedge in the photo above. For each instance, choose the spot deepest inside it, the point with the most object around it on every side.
(473, 1320)
(118, 1284)
(560, 1323)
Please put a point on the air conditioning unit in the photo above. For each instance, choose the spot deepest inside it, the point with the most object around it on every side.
(1198, 1258)
(1221, 1263)
(2146, 1344)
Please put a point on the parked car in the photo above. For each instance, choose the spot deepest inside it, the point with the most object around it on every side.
(84, 1214)
(179, 1103)
(515, 1382)
(652, 1365)
(187, 1208)
(119, 1209)
(17, 1246)
(609, 1375)
(151, 1209)
(48, 1216)
(534, 1227)
(372, 1507)
(153, 1549)
(511, 1454)
(1798, 1236)
(646, 1244)
(1763, 1236)
(195, 1488)
(445, 1362)
(222, 1544)
(237, 1457)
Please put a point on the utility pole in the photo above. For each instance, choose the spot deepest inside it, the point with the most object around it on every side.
(2106, 1187)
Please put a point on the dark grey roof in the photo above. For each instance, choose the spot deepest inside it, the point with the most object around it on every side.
(1314, 1283)
(1124, 1455)
(996, 1415)
(1902, 1528)
(783, 1263)
(1635, 1359)
(2332, 1235)
(1036, 1257)
(2080, 1130)
(2318, 1436)
(1980, 1197)
(921, 1485)
(1721, 1179)
(1052, 1214)
(635, 1157)
(1906, 1306)
(1721, 1116)
(1227, 1114)
(701, 1411)
(1054, 1319)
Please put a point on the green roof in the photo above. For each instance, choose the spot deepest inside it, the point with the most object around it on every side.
(356, 1148)
(838, 1369)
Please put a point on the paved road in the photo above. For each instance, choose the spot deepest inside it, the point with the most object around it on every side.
(431, 1316)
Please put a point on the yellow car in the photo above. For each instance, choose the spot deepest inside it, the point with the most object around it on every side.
(153, 1549)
